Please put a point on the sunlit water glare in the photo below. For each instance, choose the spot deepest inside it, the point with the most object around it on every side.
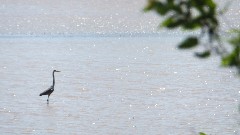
(112, 85)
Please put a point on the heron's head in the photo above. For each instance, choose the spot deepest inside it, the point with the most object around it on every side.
(55, 71)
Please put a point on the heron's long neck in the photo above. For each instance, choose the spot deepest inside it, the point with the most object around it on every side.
(53, 79)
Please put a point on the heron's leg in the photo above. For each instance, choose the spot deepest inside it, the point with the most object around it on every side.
(48, 99)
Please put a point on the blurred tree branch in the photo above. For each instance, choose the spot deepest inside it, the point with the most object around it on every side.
(199, 15)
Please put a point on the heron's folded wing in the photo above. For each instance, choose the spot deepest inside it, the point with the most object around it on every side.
(46, 91)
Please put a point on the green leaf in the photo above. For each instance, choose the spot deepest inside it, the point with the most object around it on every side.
(149, 6)
(190, 42)
(210, 4)
(228, 60)
(191, 25)
(203, 54)
(235, 40)
(172, 22)
(201, 133)
(161, 8)
(168, 21)
(232, 59)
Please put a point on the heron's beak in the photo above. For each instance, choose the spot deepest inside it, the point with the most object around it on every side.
(57, 71)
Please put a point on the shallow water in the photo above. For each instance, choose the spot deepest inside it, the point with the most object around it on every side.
(112, 85)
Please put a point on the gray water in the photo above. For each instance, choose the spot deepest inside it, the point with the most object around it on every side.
(112, 85)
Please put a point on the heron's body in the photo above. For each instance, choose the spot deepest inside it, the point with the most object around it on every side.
(51, 89)
(48, 91)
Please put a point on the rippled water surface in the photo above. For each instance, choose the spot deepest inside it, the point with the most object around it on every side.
(111, 85)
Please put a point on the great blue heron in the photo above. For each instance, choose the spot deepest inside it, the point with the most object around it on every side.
(51, 89)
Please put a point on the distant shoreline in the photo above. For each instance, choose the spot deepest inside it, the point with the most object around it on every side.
(96, 35)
